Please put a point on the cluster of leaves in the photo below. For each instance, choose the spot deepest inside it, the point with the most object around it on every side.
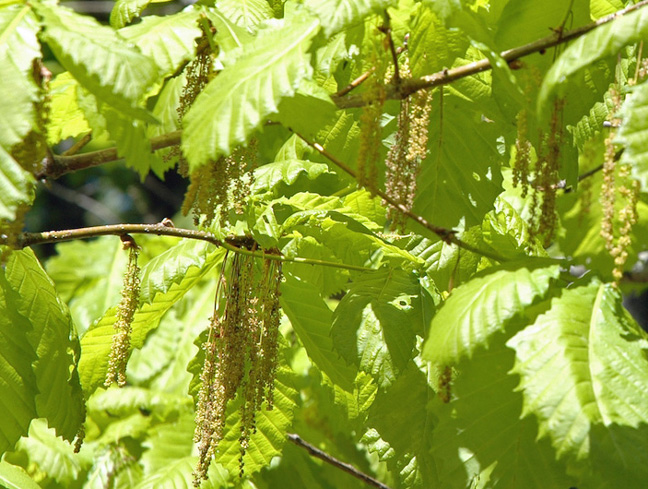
(422, 363)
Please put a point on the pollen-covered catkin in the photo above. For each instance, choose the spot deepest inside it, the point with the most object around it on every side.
(240, 357)
(404, 158)
(120, 348)
(374, 98)
(221, 185)
(522, 154)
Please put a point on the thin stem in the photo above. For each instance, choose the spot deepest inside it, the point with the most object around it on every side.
(78, 146)
(447, 235)
(348, 468)
(355, 83)
(60, 165)
(57, 166)
(386, 29)
(236, 245)
(445, 77)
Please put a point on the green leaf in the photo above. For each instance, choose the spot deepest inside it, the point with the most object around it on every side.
(54, 340)
(347, 238)
(311, 319)
(88, 277)
(596, 415)
(462, 163)
(448, 265)
(132, 144)
(14, 477)
(168, 40)
(99, 59)
(50, 454)
(633, 134)
(162, 287)
(376, 322)
(162, 362)
(584, 241)
(168, 462)
(604, 41)
(228, 34)
(601, 8)
(126, 10)
(311, 99)
(18, 48)
(400, 419)
(336, 15)
(481, 440)
(245, 13)
(432, 46)
(286, 178)
(65, 117)
(236, 102)
(18, 387)
(525, 22)
(485, 305)
(16, 187)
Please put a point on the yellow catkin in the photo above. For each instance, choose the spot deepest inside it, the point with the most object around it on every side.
(198, 73)
(240, 358)
(404, 157)
(120, 348)
(608, 194)
(618, 191)
(522, 154)
(374, 98)
(546, 185)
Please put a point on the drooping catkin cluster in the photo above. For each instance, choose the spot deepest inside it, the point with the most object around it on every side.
(240, 357)
(370, 128)
(198, 73)
(618, 185)
(221, 185)
(119, 350)
(522, 154)
(544, 223)
(404, 158)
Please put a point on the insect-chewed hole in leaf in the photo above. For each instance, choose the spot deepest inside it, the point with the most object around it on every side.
(120, 348)
(408, 151)
(240, 356)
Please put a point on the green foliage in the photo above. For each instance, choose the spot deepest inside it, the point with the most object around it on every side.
(16, 187)
(99, 59)
(592, 416)
(269, 69)
(459, 350)
(598, 44)
(336, 15)
(496, 299)
(632, 134)
(18, 49)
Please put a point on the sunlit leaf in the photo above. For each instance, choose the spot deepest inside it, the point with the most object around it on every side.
(54, 339)
(600, 43)
(336, 15)
(18, 49)
(236, 101)
(477, 310)
(99, 59)
(596, 415)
